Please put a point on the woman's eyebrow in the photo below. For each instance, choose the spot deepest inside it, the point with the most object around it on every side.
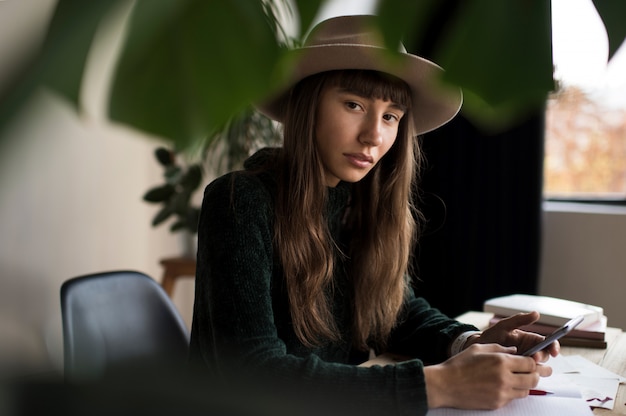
(361, 94)
(398, 107)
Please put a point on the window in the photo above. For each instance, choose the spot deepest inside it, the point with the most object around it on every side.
(585, 154)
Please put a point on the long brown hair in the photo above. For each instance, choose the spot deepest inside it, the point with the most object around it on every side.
(381, 217)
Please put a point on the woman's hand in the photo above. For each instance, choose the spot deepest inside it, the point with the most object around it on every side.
(483, 376)
(506, 333)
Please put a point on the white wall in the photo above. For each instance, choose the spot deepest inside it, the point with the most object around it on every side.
(584, 256)
(70, 201)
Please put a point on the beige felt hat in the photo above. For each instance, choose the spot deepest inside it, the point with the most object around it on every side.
(352, 42)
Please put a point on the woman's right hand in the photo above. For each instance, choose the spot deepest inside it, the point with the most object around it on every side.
(483, 376)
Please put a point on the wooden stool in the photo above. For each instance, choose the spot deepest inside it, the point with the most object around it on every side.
(175, 268)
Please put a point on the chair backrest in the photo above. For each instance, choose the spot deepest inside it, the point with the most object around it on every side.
(118, 318)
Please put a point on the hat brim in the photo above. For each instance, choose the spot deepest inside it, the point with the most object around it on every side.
(433, 104)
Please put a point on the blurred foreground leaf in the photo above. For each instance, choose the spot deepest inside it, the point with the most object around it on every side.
(68, 42)
(613, 14)
(60, 62)
(307, 9)
(404, 21)
(500, 53)
(189, 65)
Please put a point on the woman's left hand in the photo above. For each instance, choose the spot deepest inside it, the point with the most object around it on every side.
(507, 333)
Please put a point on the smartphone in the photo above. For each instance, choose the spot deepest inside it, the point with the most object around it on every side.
(558, 333)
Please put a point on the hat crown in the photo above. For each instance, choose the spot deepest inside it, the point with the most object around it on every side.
(347, 30)
(356, 42)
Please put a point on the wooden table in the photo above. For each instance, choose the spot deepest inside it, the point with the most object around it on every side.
(612, 358)
(174, 268)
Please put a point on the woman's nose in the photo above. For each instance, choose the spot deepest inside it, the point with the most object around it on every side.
(371, 132)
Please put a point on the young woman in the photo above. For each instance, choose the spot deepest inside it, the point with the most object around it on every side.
(303, 257)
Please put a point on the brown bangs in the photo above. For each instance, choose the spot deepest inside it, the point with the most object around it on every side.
(373, 84)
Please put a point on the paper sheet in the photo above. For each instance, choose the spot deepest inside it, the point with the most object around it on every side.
(531, 405)
(565, 400)
(581, 365)
(559, 385)
(577, 385)
(598, 386)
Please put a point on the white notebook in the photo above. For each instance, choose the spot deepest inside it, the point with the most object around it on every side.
(565, 399)
(554, 311)
(530, 406)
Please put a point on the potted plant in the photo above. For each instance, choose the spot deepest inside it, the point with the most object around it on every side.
(175, 195)
(228, 148)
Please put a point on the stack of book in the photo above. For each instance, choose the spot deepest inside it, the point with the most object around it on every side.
(554, 313)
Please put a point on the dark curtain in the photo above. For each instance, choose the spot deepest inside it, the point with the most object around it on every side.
(481, 195)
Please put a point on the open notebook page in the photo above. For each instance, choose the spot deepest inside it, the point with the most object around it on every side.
(565, 400)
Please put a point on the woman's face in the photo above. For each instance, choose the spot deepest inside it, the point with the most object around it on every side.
(353, 133)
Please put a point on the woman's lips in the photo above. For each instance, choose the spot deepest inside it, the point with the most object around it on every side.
(359, 160)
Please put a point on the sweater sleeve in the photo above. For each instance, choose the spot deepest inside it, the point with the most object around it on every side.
(424, 331)
(233, 326)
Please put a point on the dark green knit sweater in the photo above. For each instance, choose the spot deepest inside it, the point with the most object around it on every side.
(241, 313)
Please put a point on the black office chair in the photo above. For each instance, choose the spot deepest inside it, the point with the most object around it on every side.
(118, 319)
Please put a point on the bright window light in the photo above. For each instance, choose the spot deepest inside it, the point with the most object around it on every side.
(586, 117)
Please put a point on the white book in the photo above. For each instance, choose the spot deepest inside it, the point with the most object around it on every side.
(554, 311)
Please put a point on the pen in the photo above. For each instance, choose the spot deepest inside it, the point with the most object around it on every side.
(535, 392)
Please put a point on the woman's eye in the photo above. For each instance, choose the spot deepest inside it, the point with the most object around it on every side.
(352, 105)
(391, 117)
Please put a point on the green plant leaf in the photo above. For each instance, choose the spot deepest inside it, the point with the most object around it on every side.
(172, 174)
(163, 214)
(60, 62)
(179, 225)
(188, 65)
(500, 53)
(307, 9)
(192, 178)
(164, 156)
(404, 21)
(68, 42)
(180, 202)
(159, 193)
(613, 14)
